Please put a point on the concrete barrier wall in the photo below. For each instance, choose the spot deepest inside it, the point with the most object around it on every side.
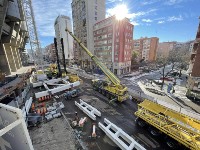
(116, 134)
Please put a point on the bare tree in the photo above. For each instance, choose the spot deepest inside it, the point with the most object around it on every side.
(178, 58)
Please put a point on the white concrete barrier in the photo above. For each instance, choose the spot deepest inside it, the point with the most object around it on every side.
(56, 90)
(37, 84)
(27, 107)
(88, 109)
(45, 85)
(116, 134)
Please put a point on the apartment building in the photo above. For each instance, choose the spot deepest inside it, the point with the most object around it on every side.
(50, 52)
(85, 14)
(13, 35)
(113, 43)
(194, 64)
(146, 47)
(164, 48)
(61, 23)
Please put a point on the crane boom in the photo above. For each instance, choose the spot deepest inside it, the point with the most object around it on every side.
(107, 72)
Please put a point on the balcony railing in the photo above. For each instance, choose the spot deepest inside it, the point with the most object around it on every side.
(6, 29)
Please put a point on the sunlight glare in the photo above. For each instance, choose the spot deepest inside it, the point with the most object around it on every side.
(121, 11)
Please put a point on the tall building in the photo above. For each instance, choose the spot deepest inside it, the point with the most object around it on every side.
(164, 48)
(194, 64)
(85, 14)
(13, 35)
(61, 23)
(146, 47)
(113, 43)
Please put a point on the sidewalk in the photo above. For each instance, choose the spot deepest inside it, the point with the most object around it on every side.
(178, 98)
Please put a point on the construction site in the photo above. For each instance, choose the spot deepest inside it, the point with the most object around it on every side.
(50, 106)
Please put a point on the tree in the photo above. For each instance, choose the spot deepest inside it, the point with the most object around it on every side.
(178, 58)
(134, 60)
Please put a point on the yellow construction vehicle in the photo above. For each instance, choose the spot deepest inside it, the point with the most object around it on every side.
(52, 71)
(112, 89)
(177, 126)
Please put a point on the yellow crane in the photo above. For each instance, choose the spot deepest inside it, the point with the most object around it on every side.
(112, 89)
(179, 127)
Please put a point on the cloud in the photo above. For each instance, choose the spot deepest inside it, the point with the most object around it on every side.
(46, 13)
(113, 1)
(150, 2)
(161, 22)
(174, 18)
(141, 13)
(135, 23)
(173, 2)
(147, 20)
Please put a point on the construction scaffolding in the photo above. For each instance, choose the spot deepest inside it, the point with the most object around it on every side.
(33, 36)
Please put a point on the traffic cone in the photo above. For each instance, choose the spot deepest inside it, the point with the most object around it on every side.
(94, 131)
(38, 111)
(44, 110)
(41, 110)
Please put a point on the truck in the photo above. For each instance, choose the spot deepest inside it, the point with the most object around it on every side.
(112, 89)
(177, 125)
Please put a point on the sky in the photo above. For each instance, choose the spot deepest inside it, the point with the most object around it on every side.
(169, 20)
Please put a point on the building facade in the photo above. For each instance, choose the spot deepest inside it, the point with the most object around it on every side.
(13, 35)
(61, 23)
(194, 65)
(164, 48)
(113, 44)
(50, 53)
(146, 47)
(85, 14)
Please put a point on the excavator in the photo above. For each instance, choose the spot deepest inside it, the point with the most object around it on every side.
(112, 88)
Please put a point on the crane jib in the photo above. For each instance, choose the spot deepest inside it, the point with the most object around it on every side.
(107, 72)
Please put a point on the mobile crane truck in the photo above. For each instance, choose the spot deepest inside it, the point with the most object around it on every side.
(112, 89)
(177, 126)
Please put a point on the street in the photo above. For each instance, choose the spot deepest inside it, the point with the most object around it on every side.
(121, 114)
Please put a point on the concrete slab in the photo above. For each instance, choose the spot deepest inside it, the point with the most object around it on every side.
(54, 135)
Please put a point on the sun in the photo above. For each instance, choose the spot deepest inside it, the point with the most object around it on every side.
(121, 11)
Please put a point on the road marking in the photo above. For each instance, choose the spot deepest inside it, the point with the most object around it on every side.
(4, 144)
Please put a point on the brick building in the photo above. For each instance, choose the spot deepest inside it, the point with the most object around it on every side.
(164, 48)
(113, 43)
(50, 52)
(146, 47)
(194, 65)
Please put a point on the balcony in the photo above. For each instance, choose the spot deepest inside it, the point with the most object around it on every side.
(6, 29)
(13, 13)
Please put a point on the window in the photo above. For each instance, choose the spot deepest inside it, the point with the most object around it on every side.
(96, 7)
(95, 13)
(110, 35)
